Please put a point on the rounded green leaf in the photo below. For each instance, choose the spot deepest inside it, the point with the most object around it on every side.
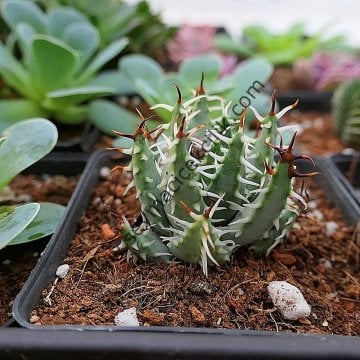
(190, 70)
(26, 142)
(107, 116)
(14, 219)
(61, 17)
(43, 224)
(18, 11)
(135, 67)
(84, 38)
(53, 63)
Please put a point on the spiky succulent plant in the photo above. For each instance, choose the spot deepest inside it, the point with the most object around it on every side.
(206, 187)
(346, 112)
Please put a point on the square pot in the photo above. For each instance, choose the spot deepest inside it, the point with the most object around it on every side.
(149, 342)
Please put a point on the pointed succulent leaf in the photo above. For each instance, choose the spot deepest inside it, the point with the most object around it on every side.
(102, 58)
(53, 63)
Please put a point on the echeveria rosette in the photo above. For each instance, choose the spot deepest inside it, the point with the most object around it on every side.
(59, 60)
(214, 192)
(21, 145)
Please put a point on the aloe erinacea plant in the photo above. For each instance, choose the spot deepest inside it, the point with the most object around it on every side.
(346, 112)
(203, 196)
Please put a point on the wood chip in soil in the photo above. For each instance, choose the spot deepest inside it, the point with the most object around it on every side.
(102, 283)
(16, 262)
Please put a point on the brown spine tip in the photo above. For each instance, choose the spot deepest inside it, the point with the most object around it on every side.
(242, 118)
(186, 207)
(179, 100)
(181, 132)
(200, 90)
(268, 169)
(273, 103)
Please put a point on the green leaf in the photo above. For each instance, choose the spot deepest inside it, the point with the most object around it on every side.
(14, 74)
(78, 95)
(229, 46)
(135, 67)
(15, 12)
(53, 63)
(107, 116)
(14, 110)
(122, 142)
(14, 219)
(26, 142)
(61, 17)
(190, 70)
(102, 58)
(115, 80)
(44, 223)
(84, 38)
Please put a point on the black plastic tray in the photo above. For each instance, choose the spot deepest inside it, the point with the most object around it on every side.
(149, 342)
(347, 168)
(85, 142)
(308, 100)
(55, 163)
(341, 191)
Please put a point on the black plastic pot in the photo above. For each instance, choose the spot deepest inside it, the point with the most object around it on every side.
(89, 136)
(346, 171)
(54, 163)
(151, 342)
(308, 100)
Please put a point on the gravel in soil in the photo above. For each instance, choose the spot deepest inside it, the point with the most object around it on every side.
(101, 282)
(16, 262)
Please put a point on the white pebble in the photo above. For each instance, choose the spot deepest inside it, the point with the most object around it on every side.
(127, 317)
(348, 151)
(104, 172)
(289, 300)
(62, 270)
(331, 227)
(318, 215)
(6, 262)
(312, 204)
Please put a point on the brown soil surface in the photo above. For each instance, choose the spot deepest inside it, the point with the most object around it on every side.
(16, 262)
(101, 282)
(317, 135)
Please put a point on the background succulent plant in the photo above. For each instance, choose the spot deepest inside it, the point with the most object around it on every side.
(346, 112)
(191, 41)
(116, 18)
(199, 208)
(280, 49)
(325, 71)
(59, 58)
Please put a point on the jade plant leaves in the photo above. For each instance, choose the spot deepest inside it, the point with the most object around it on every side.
(43, 224)
(14, 219)
(25, 143)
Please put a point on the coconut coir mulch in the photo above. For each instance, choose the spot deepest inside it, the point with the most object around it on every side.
(16, 262)
(101, 282)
